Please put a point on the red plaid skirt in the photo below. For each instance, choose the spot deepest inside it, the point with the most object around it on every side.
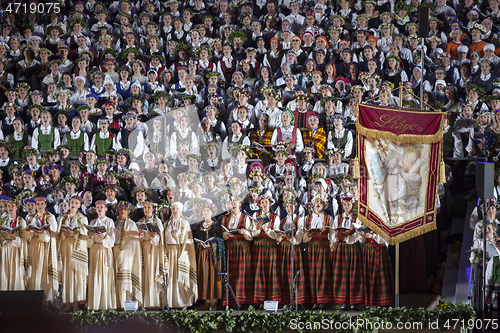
(287, 276)
(347, 274)
(318, 272)
(379, 279)
(265, 265)
(239, 266)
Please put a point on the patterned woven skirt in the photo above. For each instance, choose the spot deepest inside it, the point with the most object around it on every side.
(378, 275)
(494, 308)
(318, 272)
(348, 274)
(267, 285)
(287, 276)
(239, 266)
(209, 283)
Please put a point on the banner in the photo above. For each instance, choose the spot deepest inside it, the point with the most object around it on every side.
(399, 157)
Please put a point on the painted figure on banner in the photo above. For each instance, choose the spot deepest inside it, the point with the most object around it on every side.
(396, 177)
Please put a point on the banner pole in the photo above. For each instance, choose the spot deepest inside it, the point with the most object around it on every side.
(400, 95)
(397, 276)
(422, 54)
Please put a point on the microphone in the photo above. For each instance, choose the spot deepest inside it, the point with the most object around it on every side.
(298, 272)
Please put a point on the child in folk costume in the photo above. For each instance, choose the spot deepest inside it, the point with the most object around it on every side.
(377, 268)
(43, 252)
(72, 248)
(291, 231)
(318, 267)
(239, 265)
(346, 255)
(265, 252)
(13, 249)
(180, 260)
(152, 256)
(211, 257)
(128, 257)
(101, 282)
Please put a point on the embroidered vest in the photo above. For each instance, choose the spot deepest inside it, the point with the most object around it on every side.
(295, 223)
(17, 146)
(45, 141)
(102, 145)
(496, 271)
(75, 145)
(181, 140)
(241, 222)
(325, 222)
(230, 142)
(129, 141)
(294, 135)
(340, 142)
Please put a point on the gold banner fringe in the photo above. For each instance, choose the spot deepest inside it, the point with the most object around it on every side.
(399, 238)
(356, 172)
(399, 139)
(442, 172)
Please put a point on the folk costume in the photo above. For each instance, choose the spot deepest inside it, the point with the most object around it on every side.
(128, 260)
(210, 261)
(180, 263)
(347, 260)
(318, 266)
(101, 282)
(13, 253)
(239, 264)
(152, 256)
(265, 262)
(43, 254)
(284, 258)
(73, 257)
(378, 274)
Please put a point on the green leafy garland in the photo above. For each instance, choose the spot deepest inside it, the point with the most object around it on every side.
(251, 320)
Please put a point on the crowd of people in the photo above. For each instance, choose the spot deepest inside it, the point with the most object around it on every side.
(193, 138)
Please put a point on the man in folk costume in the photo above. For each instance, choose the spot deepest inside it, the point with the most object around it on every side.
(265, 253)
(131, 136)
(288, 133)
(103, 139)
(340, 137)
(101, 282)
(152, 243)
(318, 268)
(45, 137)
(41, 234)
(239, 263)
(73, 255)
(13, 249)
(262, 135)
(302, 114)
(377, 268)
(227, 65)
(180, 260)
(285, 239)
(127, 254)
(315, 136)
(346, 256)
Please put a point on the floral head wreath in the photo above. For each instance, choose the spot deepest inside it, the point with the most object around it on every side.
(262, 197)
(236, 149)
(27, 150)
(156, 96)
(236, 34)
(477, 26)
(164, 204)
(62, 90)
(182, 47)
(435, 38)
(203, 47)
(23, 85)
(256, 173)
(71, 180)
(338, 116)
(342, 21)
